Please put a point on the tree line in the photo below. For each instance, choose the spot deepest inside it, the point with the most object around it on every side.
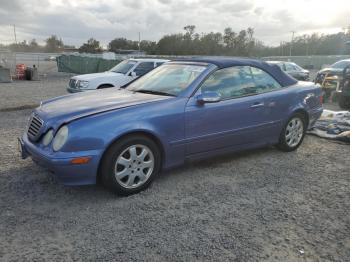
(53, 44)
(190, 42)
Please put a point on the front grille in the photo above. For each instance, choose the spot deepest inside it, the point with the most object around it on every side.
(72, 83)
(34, 127)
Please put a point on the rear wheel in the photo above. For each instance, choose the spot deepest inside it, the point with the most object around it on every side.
(293, 133)
(130, 165)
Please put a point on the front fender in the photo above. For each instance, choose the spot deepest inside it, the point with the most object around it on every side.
(164, 121)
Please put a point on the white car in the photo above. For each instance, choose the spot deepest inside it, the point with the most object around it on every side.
(120, 75)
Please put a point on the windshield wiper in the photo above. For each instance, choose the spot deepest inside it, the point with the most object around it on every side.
(152, 92)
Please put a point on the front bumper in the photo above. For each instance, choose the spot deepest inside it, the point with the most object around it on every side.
(66, 172)
(74, 90)
(78, 90)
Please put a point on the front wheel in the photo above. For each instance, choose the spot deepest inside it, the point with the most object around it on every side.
(104, 86)
(293, 133)
(130, 165)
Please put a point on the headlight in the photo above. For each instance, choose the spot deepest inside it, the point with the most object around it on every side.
(48, 137)
(60, 138)
(83, 84)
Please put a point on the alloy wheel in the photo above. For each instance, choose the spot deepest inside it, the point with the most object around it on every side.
(134, 166)
(294, 132)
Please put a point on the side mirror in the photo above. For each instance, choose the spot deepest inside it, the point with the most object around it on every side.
(208, 97)
(133, 74)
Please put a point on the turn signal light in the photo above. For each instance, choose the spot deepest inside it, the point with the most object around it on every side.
(80, 160)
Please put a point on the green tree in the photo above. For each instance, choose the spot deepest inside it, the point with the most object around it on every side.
(34, 46)
(211, 44)
(91, 46)
(148, 46)
(122, 44)
(53, 44)
(189, 31)
(229, 38)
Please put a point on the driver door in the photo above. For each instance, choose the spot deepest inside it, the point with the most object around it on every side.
(238, 119)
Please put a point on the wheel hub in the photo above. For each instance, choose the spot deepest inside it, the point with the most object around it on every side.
(134, 166)
(294, 131)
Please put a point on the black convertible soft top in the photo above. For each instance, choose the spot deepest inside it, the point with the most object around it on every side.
(223, 62)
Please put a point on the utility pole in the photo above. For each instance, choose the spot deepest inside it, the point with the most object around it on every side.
(281, 44)
(291, 44)
(14, 31)
(139, 42)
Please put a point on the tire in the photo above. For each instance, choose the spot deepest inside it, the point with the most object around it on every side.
(104, 86)
(123, 168)
(292, 137)
(343, 102)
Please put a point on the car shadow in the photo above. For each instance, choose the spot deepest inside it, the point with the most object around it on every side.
(216, 161)
(37, 182)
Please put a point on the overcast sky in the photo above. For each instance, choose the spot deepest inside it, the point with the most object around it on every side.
(77, 20)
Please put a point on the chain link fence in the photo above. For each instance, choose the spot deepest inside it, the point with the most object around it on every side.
(45, 62)
(90, 63)
(309, 62)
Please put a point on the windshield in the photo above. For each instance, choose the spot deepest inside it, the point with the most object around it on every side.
(168, 79)
(297, 66)
(123, 67)
(340, 64)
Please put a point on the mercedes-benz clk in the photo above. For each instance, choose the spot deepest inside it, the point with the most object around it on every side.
(190, 109)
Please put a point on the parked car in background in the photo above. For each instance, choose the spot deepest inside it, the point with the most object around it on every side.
(50, 58)
(293, 70)
(335, 81)
(121, 74)
(335, 69)
(186, 109)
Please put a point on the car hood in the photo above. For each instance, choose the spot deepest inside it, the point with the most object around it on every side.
(330, 69)
(70, 107)
(89, 77)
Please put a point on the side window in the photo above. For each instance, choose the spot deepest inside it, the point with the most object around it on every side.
(240, 81)
(264, 82)
(297, 68)
(290, 67)
(282, 66)
(159, 63)
(143, 68)
(230, 82)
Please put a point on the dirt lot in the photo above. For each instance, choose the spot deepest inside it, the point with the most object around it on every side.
(28, 94)
(253, 206)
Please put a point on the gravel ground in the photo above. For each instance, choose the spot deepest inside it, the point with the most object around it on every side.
(28, 94)
(261, 205)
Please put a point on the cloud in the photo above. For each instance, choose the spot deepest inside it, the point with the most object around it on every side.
(133, 4)
(234, 7)
(8, 6)
(77, 20)
(166, 2)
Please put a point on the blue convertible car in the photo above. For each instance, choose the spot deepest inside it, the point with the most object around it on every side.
(186, 109)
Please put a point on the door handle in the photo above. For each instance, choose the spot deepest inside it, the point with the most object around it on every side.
(257, 104)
